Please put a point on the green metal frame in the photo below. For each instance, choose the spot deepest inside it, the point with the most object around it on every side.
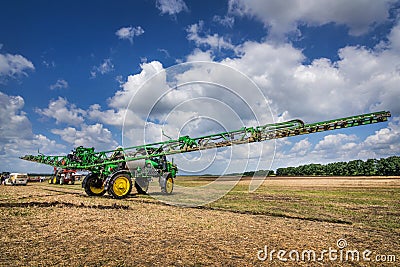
(105, 161)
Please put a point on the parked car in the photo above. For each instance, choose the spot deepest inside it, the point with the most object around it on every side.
(17, 179)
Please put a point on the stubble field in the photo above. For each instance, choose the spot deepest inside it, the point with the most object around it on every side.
(54, 225)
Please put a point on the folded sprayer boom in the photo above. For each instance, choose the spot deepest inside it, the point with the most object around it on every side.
(109, 169)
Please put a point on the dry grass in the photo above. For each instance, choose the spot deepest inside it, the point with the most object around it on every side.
(48, 225)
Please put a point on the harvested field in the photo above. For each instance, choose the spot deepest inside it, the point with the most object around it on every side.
(53, 225)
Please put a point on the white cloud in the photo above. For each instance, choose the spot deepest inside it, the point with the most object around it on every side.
(14, 124)
(226, 21)
(361, 80)
(17, 139)
(114, 117)
(60, 84)
(335, 142)
(282, 17)
(89, 136)
(199, 55)
(14, 65)
(104, 68)
(394, 38)
(128, 33)
(213, 41)
(63, 112)
(302, 147)
(385, 142)
(122, 97)
(171, 7)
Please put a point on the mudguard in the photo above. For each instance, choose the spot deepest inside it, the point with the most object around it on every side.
(85, 180)
(163, 179)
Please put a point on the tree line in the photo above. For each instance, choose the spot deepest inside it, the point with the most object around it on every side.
(372, 167)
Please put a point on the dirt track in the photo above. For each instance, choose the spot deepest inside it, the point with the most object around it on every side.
(59, 226)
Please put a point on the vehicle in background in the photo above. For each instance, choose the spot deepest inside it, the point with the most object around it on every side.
(17, 179)
(34, 179)
(63, 176)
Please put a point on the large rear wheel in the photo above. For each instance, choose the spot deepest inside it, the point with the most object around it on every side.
(120, 186)
(94, 186)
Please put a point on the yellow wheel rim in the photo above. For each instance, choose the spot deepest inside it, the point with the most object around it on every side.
(169, 185)
(96, 190)
(121, 186)
(54, 180)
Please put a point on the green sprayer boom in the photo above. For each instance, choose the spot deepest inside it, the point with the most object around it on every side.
(109, 167)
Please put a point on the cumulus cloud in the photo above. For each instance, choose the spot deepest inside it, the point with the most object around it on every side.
(134, 82)
(302, 147)
(63, 112)
(214, 41)
(171, 7)
(128, 33)
(12, 66)
(361, 80)
(14, 122)
(226, 21)
(60, 84)
(17, 138)
(95, 135)
(116, 117)
(385, 142)
(282, 17)
(105, 67)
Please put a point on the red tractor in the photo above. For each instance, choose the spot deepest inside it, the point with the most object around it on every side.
(62, 176)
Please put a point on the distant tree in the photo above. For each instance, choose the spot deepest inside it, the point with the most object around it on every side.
(383, 166)
(370, 167)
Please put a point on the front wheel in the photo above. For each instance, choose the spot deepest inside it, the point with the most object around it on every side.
(167, 185)
(120, 186)
(94, 186)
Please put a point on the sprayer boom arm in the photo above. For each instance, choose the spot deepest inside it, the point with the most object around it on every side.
(87, 159)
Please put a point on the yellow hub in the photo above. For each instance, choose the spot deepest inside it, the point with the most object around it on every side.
(169, 186)
(96, 190)
(121, 186)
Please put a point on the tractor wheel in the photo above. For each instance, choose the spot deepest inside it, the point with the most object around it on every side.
(168, 187)
(94, 186)
(120, 186)
(141, 185)
(55, 180)
(50, 180)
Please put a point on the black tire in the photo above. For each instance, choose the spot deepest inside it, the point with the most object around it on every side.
(142, 185)
(94, 186)
(120, 186)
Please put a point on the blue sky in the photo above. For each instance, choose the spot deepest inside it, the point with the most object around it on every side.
(69, 68)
